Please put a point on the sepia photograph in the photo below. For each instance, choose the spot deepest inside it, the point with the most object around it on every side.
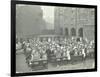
(54, 38)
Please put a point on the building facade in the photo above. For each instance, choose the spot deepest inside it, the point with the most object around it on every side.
(78, 22)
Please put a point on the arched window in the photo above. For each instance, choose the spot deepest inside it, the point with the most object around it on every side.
(66, 32)
(73, 32)
(80, 32)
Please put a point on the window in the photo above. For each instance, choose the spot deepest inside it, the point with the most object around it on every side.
(80, 32)
(73, 32)
(66, 32)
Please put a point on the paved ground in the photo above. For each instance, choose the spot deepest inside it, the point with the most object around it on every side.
(21, 65)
